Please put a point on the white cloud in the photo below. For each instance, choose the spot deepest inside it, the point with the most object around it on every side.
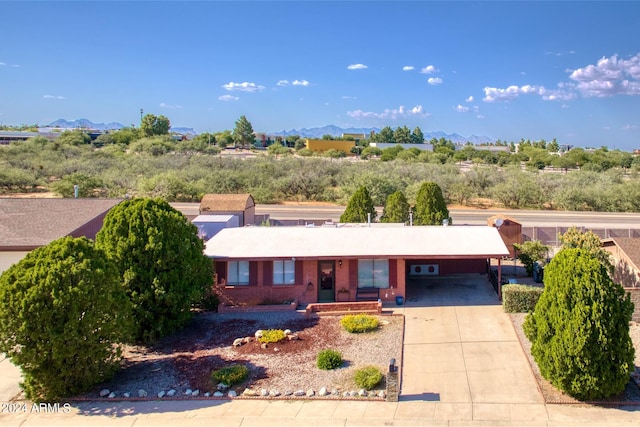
(243, 87)
(469, 99)
(429, 69)
(4, 64)
(356, 67)
(349, 97)
(228, 98)
(300, 83)
(434, 81)
(492, 94)
(175, 107)
(480, 116)
(610, 76)
(53, 97)
(630, 127)
(408, 68)
(461, 108)
(561, 53)
(395, 113)
(283, 82)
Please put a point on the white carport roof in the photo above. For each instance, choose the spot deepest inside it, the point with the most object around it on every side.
(357, 242)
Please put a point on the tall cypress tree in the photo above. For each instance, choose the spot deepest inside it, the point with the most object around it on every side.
(358, 207)
(579, 330)
(396, 208)
(431, 208)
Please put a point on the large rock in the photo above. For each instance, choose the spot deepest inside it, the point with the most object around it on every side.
(171, 393)
(238, 342)
(232, 393)
(322, 391)
(142, 393)
(249, 392)
(104, 392)
(258, 333)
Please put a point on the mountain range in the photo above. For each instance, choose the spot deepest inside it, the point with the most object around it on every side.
(88, 124)
(337, 131)
(316, 132)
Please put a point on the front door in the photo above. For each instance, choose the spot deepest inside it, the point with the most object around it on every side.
(326, 281)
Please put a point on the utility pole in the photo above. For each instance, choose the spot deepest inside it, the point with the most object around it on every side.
(141, 113)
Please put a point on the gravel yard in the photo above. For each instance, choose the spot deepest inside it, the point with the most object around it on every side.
(186, 359)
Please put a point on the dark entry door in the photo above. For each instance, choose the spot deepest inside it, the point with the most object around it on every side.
(326, 281)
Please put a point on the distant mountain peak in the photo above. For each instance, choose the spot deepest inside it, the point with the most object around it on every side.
(84, 124)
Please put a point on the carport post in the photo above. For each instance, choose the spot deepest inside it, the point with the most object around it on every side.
(499, 279)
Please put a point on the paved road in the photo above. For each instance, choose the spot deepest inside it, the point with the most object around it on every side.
(527, 218)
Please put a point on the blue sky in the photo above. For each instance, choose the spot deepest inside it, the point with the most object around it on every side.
(507, 70)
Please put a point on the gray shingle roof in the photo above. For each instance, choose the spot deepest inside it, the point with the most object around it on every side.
(30, 223)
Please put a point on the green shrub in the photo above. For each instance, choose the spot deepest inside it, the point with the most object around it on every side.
(368, 377)
(520, 298)
(579, 331)
(231, 375)
(357, 323)
(329, 359)
(272, 335)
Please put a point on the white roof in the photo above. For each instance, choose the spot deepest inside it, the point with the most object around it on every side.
(318, 242)
(213, 218)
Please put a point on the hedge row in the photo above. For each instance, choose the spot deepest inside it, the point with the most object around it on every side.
(520, 298)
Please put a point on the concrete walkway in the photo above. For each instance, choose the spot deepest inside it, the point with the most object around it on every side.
(463, 366)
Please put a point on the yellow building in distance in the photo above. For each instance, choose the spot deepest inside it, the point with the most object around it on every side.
(328, 144)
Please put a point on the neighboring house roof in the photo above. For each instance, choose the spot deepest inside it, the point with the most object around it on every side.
(317, 242)
(630, 246)
(506, 219)
(26, 224)
(226, 202)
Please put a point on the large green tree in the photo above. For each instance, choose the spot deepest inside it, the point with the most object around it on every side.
(243, 132)
(155, 125)
(63, 317)
(396, 209)
(402, 135)
(359, 206)
(161, 262)
(417, 137)
(579, 329)
(430, 208)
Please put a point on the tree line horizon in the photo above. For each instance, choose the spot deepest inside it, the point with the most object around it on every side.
(150, 163)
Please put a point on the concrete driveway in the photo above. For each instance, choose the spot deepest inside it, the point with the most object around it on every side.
(460, 349)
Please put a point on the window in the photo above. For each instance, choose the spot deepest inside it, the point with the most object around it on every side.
(373, 273)
(238, 273)
(284, 272)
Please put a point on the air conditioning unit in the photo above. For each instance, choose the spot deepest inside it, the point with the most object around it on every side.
(423, 270)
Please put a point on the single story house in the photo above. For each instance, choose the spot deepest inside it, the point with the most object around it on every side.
(241, 205)
(344, 263)
(28, 223)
